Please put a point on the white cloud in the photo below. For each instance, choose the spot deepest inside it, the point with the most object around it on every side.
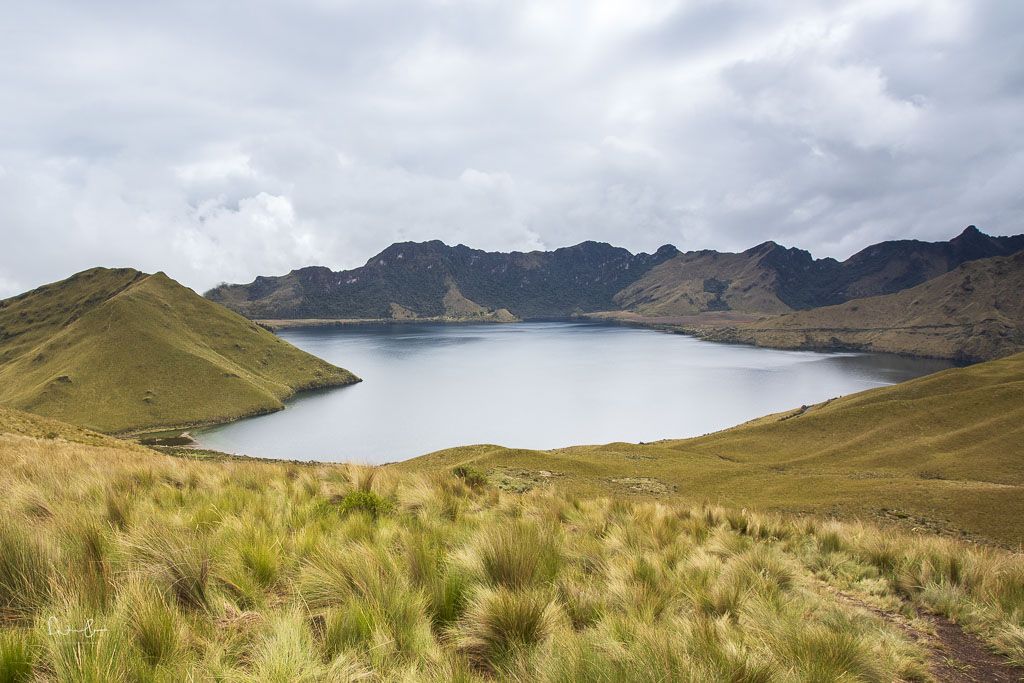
(218, 144)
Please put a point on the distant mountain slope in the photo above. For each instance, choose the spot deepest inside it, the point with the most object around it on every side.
(975, 312)
(773, 279)
(942, 452)
(119, 350)
(432, 280)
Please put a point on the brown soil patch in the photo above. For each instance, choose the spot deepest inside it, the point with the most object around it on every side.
(954, 655)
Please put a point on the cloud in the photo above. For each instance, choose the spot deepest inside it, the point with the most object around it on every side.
(221, 141)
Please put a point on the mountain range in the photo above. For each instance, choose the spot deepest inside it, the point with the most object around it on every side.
(432, 280)
(974, 312)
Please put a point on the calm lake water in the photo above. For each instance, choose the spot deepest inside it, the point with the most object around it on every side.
(537, 385)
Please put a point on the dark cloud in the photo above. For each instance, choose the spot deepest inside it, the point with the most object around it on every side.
(217, 141)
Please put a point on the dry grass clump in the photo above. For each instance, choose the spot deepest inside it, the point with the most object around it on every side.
(159, 569)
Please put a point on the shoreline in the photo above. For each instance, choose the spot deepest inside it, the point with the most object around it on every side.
(720, 327)
(155, 431)
(275, 324)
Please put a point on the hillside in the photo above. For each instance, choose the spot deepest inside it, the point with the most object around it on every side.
(975, 312)
(943, 452)
(119, 350)
(772, 279)
(433, 281)
(121, 564)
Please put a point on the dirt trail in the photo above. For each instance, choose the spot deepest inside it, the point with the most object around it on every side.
(954, 656)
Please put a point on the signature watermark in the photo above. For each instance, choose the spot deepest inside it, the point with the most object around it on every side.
(55, 629)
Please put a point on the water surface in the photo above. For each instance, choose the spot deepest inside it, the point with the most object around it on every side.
(537, 385)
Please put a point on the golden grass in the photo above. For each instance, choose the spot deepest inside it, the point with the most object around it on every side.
(942, 453)
(186, 569)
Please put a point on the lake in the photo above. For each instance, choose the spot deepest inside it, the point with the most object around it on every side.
(537, 385)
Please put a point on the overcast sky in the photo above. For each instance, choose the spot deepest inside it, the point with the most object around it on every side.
(221, 140)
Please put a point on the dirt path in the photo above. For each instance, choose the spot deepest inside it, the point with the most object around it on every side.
(954, 656)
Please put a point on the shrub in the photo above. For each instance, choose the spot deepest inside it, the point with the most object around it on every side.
(365, 501)
(473, 477)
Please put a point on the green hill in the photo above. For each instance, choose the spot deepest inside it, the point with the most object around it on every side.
(943, 452)
(975, 312)
(119, 350)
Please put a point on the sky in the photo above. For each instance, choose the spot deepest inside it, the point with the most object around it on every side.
(221, 140)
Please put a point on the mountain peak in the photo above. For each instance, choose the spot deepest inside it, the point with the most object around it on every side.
(969, 232)
(763, 248)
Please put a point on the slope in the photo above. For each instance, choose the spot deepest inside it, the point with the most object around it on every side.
(119, 350)
(119, 564)
(770, 278)
(943, 452)
(975, 312)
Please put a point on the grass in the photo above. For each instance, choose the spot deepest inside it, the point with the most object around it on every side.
(119, 351)
(943, 454)
(189, 569)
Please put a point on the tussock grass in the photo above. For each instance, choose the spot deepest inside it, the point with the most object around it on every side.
(26, 570)
(501, 623)
(16, 656)
(240, 571)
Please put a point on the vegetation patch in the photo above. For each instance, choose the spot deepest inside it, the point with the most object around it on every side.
(644, 485)
(367, 502)
(514, 480)
(472, 476)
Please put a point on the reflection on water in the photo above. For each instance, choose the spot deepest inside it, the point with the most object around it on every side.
(538, 385)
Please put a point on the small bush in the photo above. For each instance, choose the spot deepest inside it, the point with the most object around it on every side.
(473, 477)
(365, 501)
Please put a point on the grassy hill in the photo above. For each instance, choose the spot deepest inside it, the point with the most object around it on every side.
(120, 350)
(943, 453)
(975, 312)
(118, 564)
